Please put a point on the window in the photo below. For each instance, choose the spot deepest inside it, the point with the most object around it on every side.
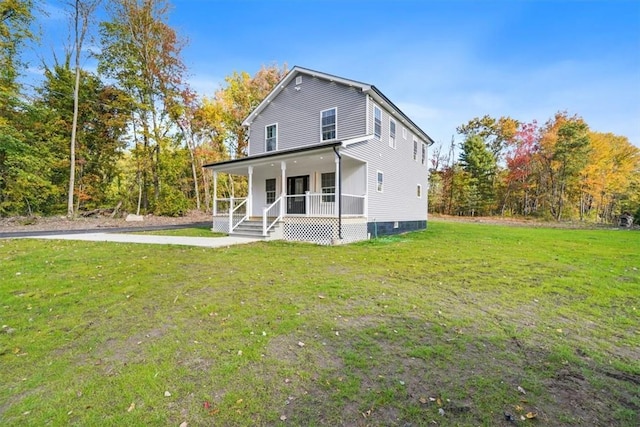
(415, 150)
(404, 132)
(424, 153)
(270, 188)
(328, 124)
(380, 181)
(271, 137)
(392, 133)
(419, 191)
(298, 80)
(377, 122)
(328, 183)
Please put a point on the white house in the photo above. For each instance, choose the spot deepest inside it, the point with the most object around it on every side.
(329, 160)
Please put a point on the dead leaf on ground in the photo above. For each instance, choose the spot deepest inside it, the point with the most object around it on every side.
(131, 407)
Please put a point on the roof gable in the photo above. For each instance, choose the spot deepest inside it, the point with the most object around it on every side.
(364, 87)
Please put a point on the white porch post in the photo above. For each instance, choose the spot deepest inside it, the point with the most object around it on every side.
(338, 195)
(283, 202)
(250, 193)
(215, 193)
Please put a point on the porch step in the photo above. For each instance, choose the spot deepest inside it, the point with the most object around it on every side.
(250, 228)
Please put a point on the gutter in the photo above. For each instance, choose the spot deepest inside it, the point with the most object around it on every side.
(335, 150)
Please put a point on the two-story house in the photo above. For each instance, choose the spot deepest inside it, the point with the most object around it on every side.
(329, 160)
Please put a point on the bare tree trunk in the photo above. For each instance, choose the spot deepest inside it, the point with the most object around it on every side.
(81, 14)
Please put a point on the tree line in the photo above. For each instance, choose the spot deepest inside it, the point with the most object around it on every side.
(561, 170)
(133, 135)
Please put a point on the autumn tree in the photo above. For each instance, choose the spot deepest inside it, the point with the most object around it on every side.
(564, 150)
(495, 133)
(519, 177)
(233, 102)
(611, 169)
(142, 53)
(104, 113)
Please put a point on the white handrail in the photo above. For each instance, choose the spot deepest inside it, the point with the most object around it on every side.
(265, 215)
(232, 211)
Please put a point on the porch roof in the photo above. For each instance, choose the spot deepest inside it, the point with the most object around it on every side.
(229, 165)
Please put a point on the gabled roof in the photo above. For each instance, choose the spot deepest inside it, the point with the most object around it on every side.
(371, 90)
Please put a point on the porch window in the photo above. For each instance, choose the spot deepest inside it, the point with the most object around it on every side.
(380, 181)
(392, 133)
(271, 137)
(328, 183)
(377, 122)
(415, 150)
(328, 124)
(424, 153)
(270, 188)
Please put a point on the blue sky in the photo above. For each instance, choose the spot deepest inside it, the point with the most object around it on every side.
(442, 62)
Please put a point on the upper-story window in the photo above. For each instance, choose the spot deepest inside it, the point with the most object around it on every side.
(392, 133)
(377, 122)
(271, 137)
(380, 179)
(415, 149)
(424, 153)
(328, 122)
(404, 132)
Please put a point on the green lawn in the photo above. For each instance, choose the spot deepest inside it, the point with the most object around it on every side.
(438, 326)
(204, 231)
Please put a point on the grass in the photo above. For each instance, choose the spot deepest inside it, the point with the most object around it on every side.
(204, 231)
(384, 332)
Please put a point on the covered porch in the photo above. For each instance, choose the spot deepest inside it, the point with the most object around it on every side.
(311, 194)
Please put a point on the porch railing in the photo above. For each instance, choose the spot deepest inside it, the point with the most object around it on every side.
(271, 215)
(353, 205)
(324, 204)
(237, 213)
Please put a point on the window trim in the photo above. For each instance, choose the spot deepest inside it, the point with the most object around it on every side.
(329, 197)
(266, 139)
(335, 125)
(380, 181)
(377, 122)
(392, 136)
(267, 191)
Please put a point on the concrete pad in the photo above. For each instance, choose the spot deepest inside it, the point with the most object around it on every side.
(207, 242)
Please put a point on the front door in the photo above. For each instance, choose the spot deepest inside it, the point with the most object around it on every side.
(297, 186)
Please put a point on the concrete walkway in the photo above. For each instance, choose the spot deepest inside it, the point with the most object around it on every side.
(207, 242)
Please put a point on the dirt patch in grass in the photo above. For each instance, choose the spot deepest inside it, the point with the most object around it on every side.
(402, 371)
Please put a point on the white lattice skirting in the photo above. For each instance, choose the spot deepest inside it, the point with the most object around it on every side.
(324, 231)
(220, 224)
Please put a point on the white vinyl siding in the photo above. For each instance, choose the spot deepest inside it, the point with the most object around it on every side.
(377, 122)
(271, 137)
(297, 113)
(392, 133)
(329, 124)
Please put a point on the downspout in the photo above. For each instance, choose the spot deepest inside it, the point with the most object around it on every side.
(335, 150)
